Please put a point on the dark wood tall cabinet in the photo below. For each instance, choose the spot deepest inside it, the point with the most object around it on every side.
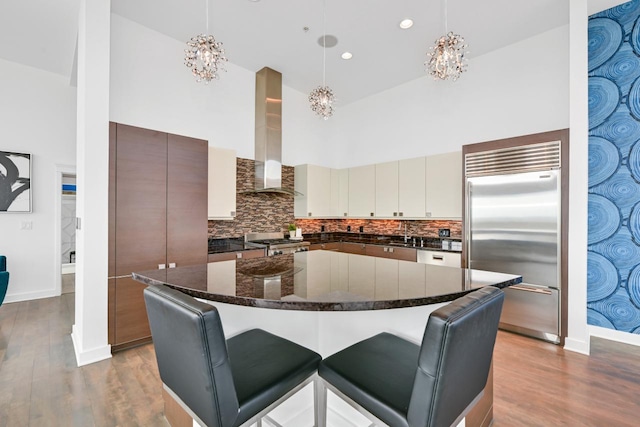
(157, 218)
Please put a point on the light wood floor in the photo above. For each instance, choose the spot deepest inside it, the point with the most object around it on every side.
(536, 383)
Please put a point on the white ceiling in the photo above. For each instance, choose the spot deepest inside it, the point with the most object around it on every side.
(42, 34)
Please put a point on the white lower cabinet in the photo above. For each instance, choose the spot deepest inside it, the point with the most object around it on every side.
(411, 280)
(386, 287)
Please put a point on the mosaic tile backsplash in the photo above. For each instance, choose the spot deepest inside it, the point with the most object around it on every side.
(266, 212)
(613, 270)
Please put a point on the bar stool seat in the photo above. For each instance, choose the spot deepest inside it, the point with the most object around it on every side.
(221, 383)
(397, 383)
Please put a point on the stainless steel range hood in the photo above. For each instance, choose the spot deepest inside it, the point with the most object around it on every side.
(268, 136)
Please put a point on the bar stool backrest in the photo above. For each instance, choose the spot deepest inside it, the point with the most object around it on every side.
(191, 351)
(455, 357)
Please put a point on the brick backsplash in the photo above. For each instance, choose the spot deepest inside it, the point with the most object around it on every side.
(259, 212)
(426, 228)
(269, 212)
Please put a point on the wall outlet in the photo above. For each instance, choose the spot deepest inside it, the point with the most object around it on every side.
(348, 228)
(322, 228)
(444, 232)
(26, 225)
(361, 228)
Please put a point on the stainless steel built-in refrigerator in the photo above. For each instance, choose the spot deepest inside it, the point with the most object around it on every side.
(513, 226)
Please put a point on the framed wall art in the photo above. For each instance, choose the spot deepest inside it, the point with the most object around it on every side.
(15, 182)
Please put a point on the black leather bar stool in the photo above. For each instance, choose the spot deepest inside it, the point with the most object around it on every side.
(222, 383)
(395, 382)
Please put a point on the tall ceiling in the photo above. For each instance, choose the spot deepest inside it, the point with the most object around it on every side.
(42, 34)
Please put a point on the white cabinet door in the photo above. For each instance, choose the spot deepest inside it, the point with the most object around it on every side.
(411, 280)
(386, 190)
(362, 191)
(386, 279)
(444, 185)
(340, 193)
(314, 182)
(412, 187)
(222, 183)
(221, 277)
(362, 275)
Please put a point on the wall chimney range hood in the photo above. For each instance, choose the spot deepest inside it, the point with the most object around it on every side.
(268, 136)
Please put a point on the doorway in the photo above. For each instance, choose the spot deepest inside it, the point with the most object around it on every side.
(68, 233)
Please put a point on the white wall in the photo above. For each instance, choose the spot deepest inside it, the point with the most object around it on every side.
(517, 90)
(152, 88)
(37, 116)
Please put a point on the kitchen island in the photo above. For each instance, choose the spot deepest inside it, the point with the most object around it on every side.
(327, 301)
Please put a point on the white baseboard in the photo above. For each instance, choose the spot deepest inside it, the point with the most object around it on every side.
(577, 346)
(28, 296)
(88, 356)
(68, 268)
(613, 335)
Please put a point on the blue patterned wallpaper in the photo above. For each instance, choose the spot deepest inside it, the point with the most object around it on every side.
(613, 272)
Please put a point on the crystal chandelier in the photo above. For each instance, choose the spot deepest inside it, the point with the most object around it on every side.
(204, 55)
(321, 99)
(447, 58)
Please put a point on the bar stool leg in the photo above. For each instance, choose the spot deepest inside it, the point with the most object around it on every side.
(320, 406)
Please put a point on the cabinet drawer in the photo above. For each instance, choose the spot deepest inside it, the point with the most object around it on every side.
(393, 252)
(447, 259)
(353, 248)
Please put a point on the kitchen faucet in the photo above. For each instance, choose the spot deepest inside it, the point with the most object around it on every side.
(406, 237)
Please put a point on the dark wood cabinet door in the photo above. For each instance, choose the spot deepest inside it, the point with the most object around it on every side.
(131, 324)
(187, 180)
(141, 199)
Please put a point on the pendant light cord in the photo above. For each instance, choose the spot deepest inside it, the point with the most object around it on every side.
(446, 18)
(207, 12)
(324, 42)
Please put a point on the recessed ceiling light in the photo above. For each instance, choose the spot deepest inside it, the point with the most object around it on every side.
(255, 1)
(405, 24)
(347, 55)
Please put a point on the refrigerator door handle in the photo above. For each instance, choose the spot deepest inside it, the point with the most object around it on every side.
(530, 289)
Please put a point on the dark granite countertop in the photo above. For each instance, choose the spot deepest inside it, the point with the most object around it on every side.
(429, 243)
(325, 281)
(236, 244)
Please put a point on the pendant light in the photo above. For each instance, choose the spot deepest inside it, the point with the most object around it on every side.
(204, 55)
(447, 57)
(321, 99)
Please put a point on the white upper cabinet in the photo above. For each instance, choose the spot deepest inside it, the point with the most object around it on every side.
(314, 182)
(386, 190)
(222, 183)
(444, 186)
(362, 191)
(411, 188)
(340, 193)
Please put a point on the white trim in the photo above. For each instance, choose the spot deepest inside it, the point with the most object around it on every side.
(27, 296)
(577, 346)
(57, 232)
(90, 356)
(68, 268)
(613, 335)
